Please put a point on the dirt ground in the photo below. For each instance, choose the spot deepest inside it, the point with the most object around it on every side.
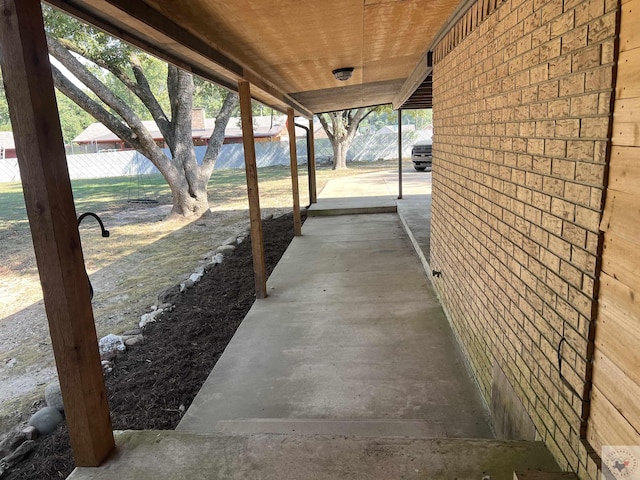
(127, 270)
(143, 255)
(153, 384)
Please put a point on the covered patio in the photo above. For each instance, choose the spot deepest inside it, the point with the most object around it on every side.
(298, 85)
(348, 369)
(532, 243)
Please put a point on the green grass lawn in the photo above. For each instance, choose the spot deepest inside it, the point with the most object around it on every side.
(102, 194)
(108, 194)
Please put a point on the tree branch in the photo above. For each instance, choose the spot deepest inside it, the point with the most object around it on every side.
(173, 90)
(143, 91)
(146, 143)
(119, 73)
(96, 110)
(371, 110)
(88, 79)
(180, 88)
(325, 125)
(355, 121)
(140, 87)
(217, 136)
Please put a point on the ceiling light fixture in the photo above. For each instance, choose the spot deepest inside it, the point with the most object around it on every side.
(343, 74)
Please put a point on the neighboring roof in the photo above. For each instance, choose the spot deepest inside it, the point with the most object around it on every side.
(6, 141)
(286, 50)
(318, 129)
(264, 126)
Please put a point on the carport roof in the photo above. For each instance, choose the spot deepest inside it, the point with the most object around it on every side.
(286, 49)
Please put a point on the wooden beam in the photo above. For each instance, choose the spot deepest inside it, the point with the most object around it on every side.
(257, 242)
(52, 219)
(350, 96)
(291, 127)
(313, 189)
(415, 79)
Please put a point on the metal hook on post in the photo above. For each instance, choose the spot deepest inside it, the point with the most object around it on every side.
(105, 234)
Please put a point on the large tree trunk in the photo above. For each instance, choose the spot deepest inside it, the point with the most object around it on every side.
(188, 190)
(342, 131)
(188, 203)
(190, 193)
(340, 148)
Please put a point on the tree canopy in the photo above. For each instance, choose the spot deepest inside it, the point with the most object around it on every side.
(385, 115)
(121, 86)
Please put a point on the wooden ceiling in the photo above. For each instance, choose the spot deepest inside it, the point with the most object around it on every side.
(285, 48)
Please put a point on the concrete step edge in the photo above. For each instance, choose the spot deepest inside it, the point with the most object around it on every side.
(168, 455)
(418, 428)
(541, 475)
(351, 211)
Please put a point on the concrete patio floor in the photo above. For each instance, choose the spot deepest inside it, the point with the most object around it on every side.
(351, 331)
(378, 193)
(348, 369)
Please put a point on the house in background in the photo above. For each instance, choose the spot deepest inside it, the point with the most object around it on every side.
(7, 145)
(267, 128)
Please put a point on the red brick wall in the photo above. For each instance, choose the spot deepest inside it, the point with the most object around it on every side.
(521, 120)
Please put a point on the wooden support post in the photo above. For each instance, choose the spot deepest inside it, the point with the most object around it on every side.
(399, 154)
(313, 189)
(291, 127)
(52, 218)
(257, 243)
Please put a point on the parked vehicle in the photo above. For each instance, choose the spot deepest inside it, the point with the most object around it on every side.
(421, 155)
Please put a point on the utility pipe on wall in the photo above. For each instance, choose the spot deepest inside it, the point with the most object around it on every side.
(310, 167)
(313, 191)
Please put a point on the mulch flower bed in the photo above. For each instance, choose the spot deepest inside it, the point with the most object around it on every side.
(153, 384)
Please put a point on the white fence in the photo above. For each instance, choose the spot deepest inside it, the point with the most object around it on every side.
(131, 163)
